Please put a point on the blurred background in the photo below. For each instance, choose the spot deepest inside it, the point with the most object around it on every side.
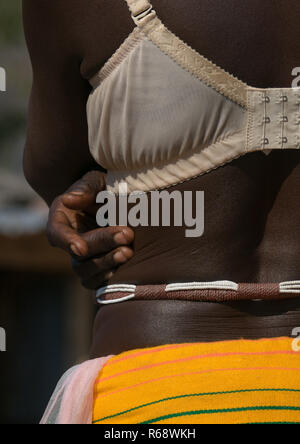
(45, 312)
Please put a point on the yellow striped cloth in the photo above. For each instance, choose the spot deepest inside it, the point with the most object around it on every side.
(236, 382)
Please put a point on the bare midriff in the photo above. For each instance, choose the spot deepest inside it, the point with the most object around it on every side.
(252, 232)
(252, 215)
(252, 228)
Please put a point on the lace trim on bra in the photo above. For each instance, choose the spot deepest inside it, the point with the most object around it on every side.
(151, 26)
(189, 59)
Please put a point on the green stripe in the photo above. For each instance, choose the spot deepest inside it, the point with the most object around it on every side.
(210, 412)
(194, 395)
(271, 423)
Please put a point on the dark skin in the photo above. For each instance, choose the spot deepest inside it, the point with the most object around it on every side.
(252, 211)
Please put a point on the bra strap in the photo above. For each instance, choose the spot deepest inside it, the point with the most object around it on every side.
(139, 9)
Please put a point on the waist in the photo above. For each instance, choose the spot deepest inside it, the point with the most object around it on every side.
(138, 324)
(247, 227)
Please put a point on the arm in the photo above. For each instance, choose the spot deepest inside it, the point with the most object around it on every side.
(56, 151)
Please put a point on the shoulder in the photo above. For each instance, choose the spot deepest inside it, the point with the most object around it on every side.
(81, 32)
(51, 26)
(64, 24)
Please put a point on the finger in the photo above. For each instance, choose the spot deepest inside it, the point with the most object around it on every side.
(82, 195)
(80, 202)
(93, 267)
(104, 240)
(66, 238)
(87, 245)
(60, 234)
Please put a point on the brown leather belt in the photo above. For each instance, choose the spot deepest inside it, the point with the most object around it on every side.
(203, 292)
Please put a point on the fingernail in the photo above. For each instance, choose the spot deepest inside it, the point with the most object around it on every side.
(75, 250)
(120, 238)
(109, 276)
(120, 257)
(77, 193)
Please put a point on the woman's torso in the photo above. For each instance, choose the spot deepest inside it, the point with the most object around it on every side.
(251, 210)
(251, 220)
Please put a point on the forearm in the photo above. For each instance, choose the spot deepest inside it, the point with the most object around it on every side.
(51, 176)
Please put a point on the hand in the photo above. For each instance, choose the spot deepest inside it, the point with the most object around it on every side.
(96, 252)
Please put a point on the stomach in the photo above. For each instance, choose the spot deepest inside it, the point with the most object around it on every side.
(251, 234)
(251, 228)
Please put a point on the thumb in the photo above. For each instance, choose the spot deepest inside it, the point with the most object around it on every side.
(82, 195)
(79, 201)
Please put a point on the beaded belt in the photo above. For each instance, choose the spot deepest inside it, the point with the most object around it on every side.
(221, 291)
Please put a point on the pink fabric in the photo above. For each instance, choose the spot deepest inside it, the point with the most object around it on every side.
(72, 401)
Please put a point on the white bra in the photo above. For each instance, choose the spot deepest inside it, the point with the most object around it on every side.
(160, 113)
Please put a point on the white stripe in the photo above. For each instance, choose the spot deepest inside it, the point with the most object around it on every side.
(115, 301)
(218, 285)
(290, 287)
(116, 288)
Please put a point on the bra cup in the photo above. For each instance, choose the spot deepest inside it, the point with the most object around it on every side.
(150, 111)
